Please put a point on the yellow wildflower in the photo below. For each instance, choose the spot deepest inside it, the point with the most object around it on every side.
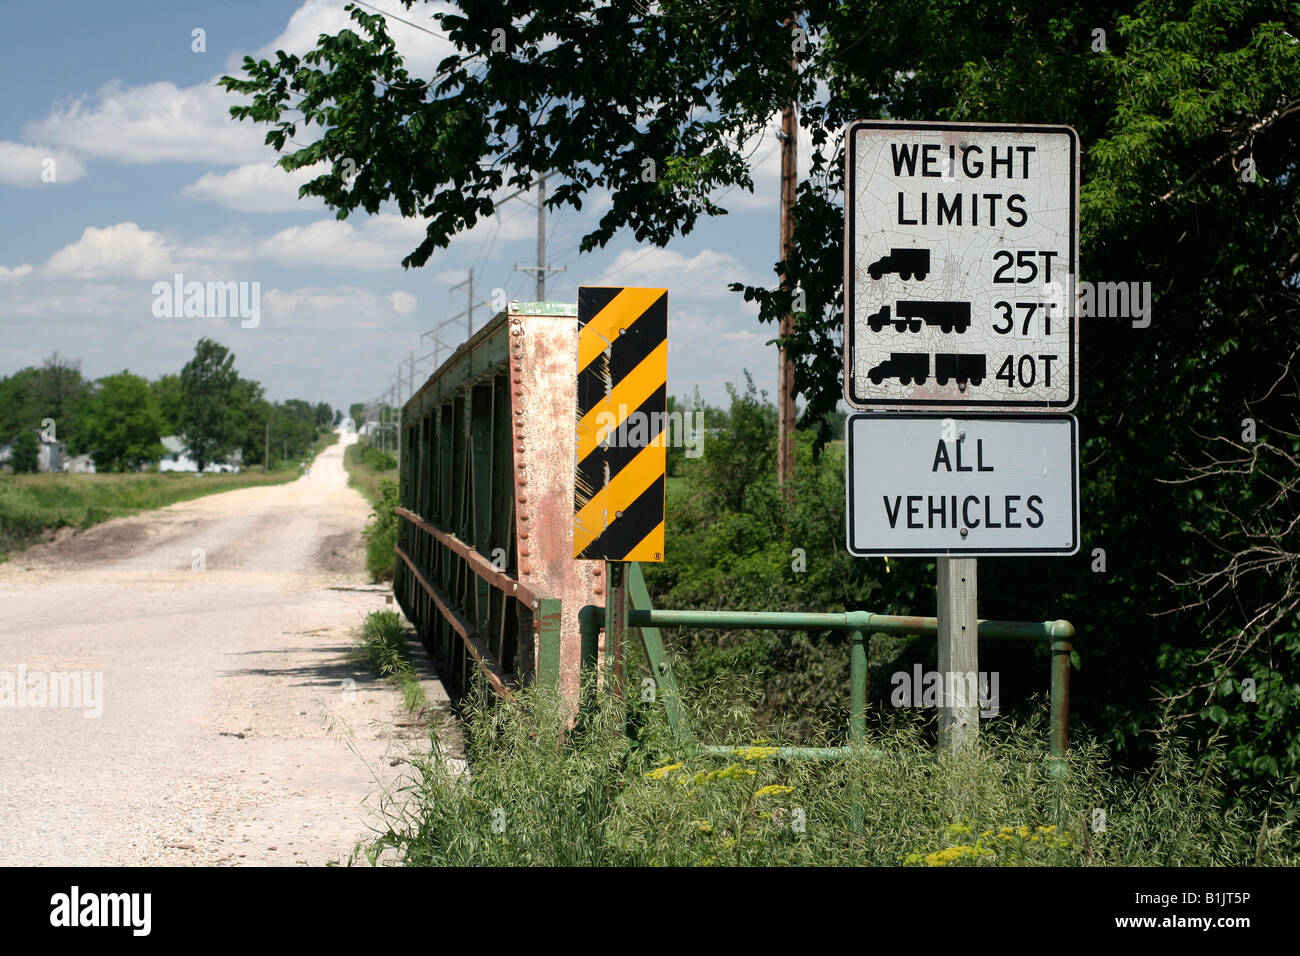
(773, 790)
(661, 773)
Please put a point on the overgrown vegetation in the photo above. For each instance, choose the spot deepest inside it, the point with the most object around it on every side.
(31, 505)
(381, 645)
(374, 474)
(381, 534)
(368, 468)
(539, 795)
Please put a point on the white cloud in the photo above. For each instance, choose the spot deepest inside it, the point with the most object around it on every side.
(346, 310)
(256, 187)
(420, 51)
(17, 272)
(403, 302)
(123, 250)
(23, 165)
(710, 347)
(705, 275)
(156, 122)
(381, 242)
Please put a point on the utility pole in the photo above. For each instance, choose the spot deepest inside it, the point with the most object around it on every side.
(785, 427)
(541, 268)
(541, 238)
(266, 449)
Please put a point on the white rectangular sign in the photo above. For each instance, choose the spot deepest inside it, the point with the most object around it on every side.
(961, 251)
(967, 485)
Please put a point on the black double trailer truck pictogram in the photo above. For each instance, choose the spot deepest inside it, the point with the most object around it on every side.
(908, 315)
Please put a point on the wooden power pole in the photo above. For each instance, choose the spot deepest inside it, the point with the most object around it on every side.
(959, 715)
(785, 420)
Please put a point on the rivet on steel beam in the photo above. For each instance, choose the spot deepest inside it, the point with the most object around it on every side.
(523, 500)
(522, 482)
(525, 568)
(523, 517)
(518, 367)
(520, 449)
(524, 535)
(598, 591)
(523, 553)
(596, 570)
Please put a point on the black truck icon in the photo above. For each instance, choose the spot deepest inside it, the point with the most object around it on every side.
(906, 262)
(906, 366)
(946, 315)
(963, 368)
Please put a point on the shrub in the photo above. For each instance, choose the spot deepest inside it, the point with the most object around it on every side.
(381, 534)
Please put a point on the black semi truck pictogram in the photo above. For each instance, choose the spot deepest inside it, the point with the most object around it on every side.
(962, 367)
(946, 315)
(905, 366)
(906, 262)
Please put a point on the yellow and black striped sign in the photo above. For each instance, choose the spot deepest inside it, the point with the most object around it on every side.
(618, 500)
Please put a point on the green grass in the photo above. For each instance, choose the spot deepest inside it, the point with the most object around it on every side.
(362, 476)
(599, 798)
(33, 504)
(381, 645)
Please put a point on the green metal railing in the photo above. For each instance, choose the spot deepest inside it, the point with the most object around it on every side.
(858, 625)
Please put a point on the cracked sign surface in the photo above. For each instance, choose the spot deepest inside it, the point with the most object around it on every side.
(622, 415)
(961, 254)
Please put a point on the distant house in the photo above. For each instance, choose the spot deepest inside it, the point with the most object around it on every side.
(178, 458)
(49, 458)
(79, 465)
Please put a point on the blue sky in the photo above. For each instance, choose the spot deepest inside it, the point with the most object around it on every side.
(152, 177)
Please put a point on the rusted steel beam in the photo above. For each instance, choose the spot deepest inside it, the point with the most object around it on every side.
(476, 562)
(500, 681)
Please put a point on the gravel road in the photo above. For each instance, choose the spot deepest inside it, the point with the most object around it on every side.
(231, 732)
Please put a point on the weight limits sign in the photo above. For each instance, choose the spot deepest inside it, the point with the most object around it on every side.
(967, 486)
(961, 251)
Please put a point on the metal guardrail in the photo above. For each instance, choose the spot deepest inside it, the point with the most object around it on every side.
(857, 624)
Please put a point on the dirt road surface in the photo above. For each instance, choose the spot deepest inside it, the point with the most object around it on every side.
(234, 728)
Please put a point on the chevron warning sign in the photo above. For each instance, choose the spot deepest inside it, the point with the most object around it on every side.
(618, 500)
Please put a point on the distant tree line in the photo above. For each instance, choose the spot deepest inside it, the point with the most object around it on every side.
(120, 419)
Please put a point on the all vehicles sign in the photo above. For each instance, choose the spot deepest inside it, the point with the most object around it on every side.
(961, 250)
(964, 486)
